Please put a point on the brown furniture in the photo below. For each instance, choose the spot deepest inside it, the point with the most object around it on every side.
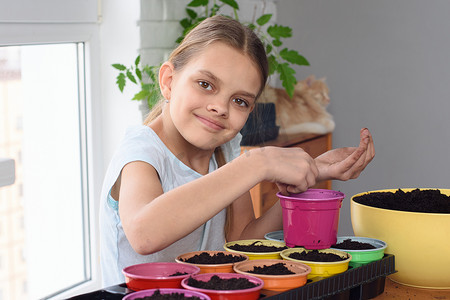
(264, 194)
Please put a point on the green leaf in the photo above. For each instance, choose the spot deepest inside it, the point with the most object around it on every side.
(231, 3)
(251, 26)
(143, 94)
(197, 3)
(121, 81)
(214, 10)
(119, 67)
(153, 97)
(138, 74)
(277, 43)
(137, 60)
(131, 76)
(191, 13)
(179, 40)
(273, 64)
(278, 31)
(268, 48)
(185, 23)
(293, 57)
(287, 77)
(264, 19)
(151, 71)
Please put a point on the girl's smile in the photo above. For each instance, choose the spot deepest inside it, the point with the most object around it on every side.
(210, 123)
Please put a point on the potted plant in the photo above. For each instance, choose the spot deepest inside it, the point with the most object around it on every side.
(280, 62)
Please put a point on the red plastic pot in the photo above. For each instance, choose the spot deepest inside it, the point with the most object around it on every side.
(242, 294)
(157, 275)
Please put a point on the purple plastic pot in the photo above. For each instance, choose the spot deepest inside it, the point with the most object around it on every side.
(311, 218)
(165, 291)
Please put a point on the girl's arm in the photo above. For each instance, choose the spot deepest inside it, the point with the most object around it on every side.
(153, 220)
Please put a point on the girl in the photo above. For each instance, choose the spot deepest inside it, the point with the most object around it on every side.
(177, 183)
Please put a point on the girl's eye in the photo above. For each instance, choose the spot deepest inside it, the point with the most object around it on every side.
(205, 85)
(240, 102)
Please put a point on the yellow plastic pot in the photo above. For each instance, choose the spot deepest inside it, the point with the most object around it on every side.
(257, 255)
(210, 268)
(420, 242)
(321, 269)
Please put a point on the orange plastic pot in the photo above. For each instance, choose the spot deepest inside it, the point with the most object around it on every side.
(276, 282)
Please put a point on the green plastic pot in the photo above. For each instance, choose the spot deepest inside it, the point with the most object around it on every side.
(362, 257)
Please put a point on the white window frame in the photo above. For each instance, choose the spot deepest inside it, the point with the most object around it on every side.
(15, 34)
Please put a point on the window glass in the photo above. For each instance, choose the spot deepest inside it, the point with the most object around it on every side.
(43, 215)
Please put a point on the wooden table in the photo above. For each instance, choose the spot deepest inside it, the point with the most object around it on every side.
(393, 290)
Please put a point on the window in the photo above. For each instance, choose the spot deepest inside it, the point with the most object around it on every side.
(46, 210)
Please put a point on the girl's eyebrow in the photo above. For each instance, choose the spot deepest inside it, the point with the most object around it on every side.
(210, 75)
(216, 79)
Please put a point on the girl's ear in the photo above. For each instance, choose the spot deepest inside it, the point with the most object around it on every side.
(165, 79)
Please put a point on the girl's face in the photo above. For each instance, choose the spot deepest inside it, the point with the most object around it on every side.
(212, 96)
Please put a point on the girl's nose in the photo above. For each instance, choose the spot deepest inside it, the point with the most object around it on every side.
(219, 107)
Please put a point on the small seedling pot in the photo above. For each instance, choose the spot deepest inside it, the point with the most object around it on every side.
(241, 294)
(362, 257)
(157, 275)
(321, 269)
(275, 236)
(257, 255)
(276, 282)
(311, 218)
(211, 268)
(149, 293)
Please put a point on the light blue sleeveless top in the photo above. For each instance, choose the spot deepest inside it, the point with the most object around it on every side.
(141, 143)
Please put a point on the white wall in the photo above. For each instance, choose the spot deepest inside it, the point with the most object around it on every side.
(388, 68)
(119, 34)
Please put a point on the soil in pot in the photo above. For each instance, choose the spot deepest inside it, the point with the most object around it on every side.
(348, 244)
(172, 296)
(425, 200)
(217, 283)
(315, 255)
(275, 269)
(256, 247)
(218, 258)
(178, 274)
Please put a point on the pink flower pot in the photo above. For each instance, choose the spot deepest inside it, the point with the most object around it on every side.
(311, 218)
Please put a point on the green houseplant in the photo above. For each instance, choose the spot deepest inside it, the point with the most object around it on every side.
(280, 62)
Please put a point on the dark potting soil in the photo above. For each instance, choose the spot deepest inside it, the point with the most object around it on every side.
(256, 247)
(217, 258)
(172, 296)
(178, 274)
(348, 244)
(427, 200)
(315, 255)
(217, 283)
(275, 269)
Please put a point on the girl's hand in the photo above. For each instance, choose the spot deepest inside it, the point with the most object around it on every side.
(292, 169)
(346, 163)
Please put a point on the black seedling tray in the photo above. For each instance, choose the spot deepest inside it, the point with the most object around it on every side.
(359, 283)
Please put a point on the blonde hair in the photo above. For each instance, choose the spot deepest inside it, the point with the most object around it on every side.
(217, 29)
(232, 33)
